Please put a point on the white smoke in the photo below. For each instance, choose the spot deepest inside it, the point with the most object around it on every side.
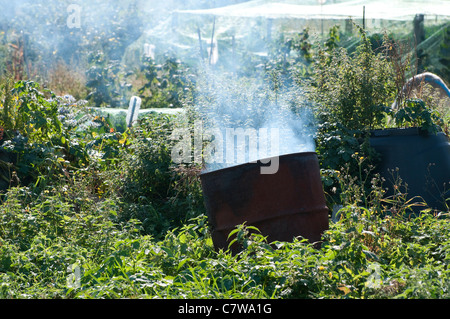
(247, 121)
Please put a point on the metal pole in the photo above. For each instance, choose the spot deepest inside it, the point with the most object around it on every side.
(364, 17)
(212, 39)
(200, 42)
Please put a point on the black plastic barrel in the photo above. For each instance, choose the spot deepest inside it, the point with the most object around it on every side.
(420, 159)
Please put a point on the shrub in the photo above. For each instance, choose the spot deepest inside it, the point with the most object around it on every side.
(352, 94)
(63, 80)
(166, 84)
(354, 90)
(105, 81)
(153, 189)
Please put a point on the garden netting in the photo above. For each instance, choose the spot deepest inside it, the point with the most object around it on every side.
(251, 21)
(323, 9)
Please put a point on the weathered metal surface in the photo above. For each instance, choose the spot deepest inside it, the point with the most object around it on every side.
(284, 205)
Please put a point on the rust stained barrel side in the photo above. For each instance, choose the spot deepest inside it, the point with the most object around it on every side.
(284, 205)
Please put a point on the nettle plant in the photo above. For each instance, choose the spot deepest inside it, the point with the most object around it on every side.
(166, 83)
(352, 93)
(36, 141)
(354, 90)
(415, 113)
(26, 109)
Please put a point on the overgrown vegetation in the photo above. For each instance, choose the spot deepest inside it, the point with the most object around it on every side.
(92, 209)
(116, 219)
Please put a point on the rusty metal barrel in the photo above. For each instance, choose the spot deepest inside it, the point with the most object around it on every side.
(284, 205)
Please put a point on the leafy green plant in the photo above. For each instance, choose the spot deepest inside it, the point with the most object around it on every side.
(9, 109)
(104, 81)
(33, 132)
(415, 114)
(354, 90)
(166, 84)
(153, 189)
(289, 62)
(351, 93)
(36, 116)
(46, 136)
(26, 110)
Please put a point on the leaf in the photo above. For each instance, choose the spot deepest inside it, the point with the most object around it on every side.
(368, 233)
(371, 255)
(181, 264)
(348, 270)
(344, 289)
(234, 231)
(359, 228)
(231, 243)
(253, 228)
